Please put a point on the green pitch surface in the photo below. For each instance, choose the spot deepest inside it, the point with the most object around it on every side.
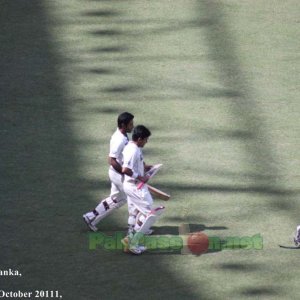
(217, 82)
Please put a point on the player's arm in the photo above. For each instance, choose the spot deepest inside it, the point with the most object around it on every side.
(116, 148)
(113, 162)
(147, 167)
(128, 172)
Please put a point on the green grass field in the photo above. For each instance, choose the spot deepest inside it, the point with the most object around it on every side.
(217, 83)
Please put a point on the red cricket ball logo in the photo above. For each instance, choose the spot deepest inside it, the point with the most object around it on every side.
(198, 242)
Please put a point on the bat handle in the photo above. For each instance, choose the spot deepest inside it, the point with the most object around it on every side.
(140, 185)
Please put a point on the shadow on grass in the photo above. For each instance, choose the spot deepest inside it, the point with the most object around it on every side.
(206, 188)
(245, 110)
(43, 193)
(260, 292)
(42, 190)
(240, 267)
(101, 13)
(113, 49)
(101, 71)
(174, 230)
(122, 89)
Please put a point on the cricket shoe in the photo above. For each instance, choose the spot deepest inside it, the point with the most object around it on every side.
(297, 237)
(137, 249)
(88, 222)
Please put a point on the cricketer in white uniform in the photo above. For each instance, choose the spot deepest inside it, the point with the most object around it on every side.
(141, 214)
(117, 196)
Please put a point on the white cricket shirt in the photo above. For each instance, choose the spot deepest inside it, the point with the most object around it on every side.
(133, 160)
(117, 143)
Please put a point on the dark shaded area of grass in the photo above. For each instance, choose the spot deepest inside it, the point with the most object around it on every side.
(42, 193)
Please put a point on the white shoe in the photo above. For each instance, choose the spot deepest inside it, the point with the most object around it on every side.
(297, 236)
(89, 223)
(137, 249)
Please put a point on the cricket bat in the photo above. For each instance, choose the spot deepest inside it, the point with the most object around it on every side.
(150, 174)
(158, 193)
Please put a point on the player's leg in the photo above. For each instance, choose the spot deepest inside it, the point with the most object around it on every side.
(128, 246)
(108, 205)
(139, 200)
(133, 212)
(141, 216)
(116, 199)
(133, 200)
(103, 209)
(146, 216)
(145, 221)
(103, 205)
(144, 211)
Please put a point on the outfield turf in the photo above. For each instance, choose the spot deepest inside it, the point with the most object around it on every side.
(217, 83)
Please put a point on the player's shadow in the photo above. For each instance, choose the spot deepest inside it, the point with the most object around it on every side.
(239, 267)
(101, 13)
(174, 230)
(260, 292)
(122, 89)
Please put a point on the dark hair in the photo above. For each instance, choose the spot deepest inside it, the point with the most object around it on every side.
(140, 131)
(124, 119)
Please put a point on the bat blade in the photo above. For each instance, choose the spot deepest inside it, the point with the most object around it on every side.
(158, 193)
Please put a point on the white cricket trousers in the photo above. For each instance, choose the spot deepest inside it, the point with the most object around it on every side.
(139, 199)
(116, 180)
